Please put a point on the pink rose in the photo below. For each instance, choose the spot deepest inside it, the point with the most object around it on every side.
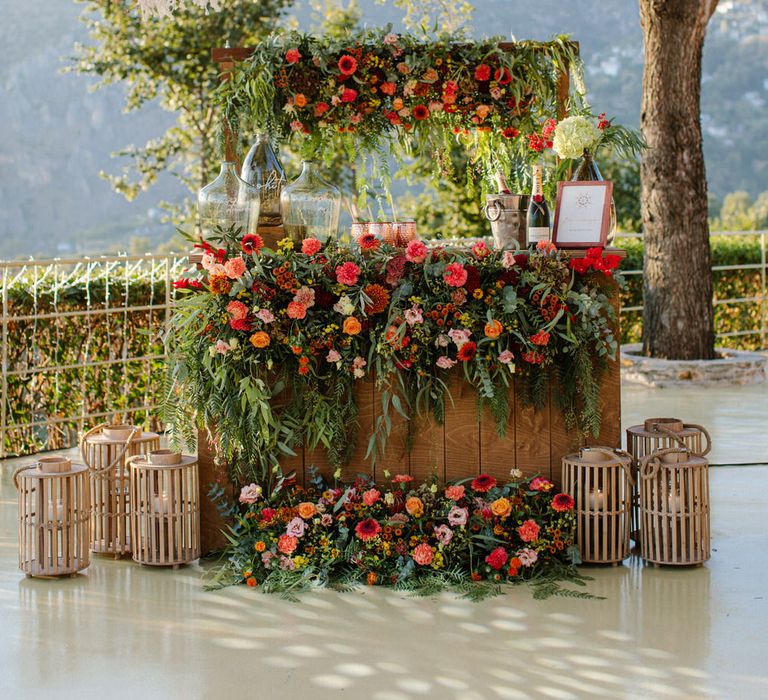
(403, 68)
(458, 516)
(413, 316)
(222, 347)
(296, 310)
(508, 259)
(348, 273)
(444, 534)
(295, 527)
(460, 336)
(423, 554)
(310, 246)
(250, 493)
(237, 310)
(234, 268)
(305, 296)
(528, 531)
(455, 275)
(416, 252)
(444, 362)
(287, 544)
(371, 496)
(265, 316)
(506, 357)
(333, 356)
(528, 557)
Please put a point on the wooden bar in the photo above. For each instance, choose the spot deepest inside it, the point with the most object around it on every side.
(497, 454)
(462, 430)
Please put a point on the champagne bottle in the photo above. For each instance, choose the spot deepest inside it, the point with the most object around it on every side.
(538, 212)
(501, 182)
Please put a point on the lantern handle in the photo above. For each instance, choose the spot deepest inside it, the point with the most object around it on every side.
(650, 464)
(612, 452)
(18, 472)
(676, 436)
(85, 436)
(118, 457)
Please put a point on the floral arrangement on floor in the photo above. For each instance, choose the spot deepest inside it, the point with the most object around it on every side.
(470, 536)
(268, 345)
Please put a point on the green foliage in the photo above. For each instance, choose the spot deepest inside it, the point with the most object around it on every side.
(167, 59)
(728, 284)
(77, 340)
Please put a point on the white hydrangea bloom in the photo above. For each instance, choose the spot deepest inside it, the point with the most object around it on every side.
(573, 136)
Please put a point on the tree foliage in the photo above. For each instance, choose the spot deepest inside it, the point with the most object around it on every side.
(168, 60)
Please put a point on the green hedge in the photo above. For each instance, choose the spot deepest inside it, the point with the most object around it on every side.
(74, 340)
(728, 284)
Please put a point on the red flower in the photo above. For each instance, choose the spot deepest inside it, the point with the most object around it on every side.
(252, 582)
(310, 246)
(581, 265)
(594, 253)
(482, 73)
(540, 338)
(367, 529)
(602, 122)
(292, 56)
(549, 128)
(502, 76)
(240, 324)
(394, 118)
(402, 479)
(467, 351)
(187, 284)
(497, 558)
(388, 88)
(533, 357)
(267, 515)
(529, 531)
(349, 95)
(348, 273)
(514, 566)
(347, 65)
(368, 242)
(483, 483)
(510, 133)
(608, 263)
(562, 503)
(251, 242)
(536, 143)
(420, 112)
(321, 108)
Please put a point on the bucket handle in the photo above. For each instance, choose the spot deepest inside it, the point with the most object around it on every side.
(493, 210)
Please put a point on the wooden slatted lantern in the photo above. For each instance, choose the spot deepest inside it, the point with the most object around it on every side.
(600, 480)
(53, 517)
(165, 510)
(658, 434)
(106, 449)
(674, 507)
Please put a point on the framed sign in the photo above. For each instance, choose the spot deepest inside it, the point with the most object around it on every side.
(582, 214)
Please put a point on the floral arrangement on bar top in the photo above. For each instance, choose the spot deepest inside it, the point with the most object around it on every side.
(469, 536)
(268, 345)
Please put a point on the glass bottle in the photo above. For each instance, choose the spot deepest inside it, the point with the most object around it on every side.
(537, 222)
(310, 205)
(587, 171)
(228, 203)
(262, 169)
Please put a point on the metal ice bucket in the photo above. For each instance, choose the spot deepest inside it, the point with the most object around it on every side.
(507, 214)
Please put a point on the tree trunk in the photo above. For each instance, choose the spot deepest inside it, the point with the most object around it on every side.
(678, 319)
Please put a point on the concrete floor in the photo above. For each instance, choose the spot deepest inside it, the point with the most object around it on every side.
(123, 631)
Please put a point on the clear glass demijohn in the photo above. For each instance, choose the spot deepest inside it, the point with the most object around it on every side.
(310, 205)
(262, 169)
(228, 202)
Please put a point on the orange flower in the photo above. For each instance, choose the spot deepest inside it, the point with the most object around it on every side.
(372, 578)
(307, 510)
(414, 507)
(501, 507)
(260, 339)
(493, 329)
(219, 284)
(379, 297)
(260, 546)
(352, 325)
(252, 582)
(300, 100)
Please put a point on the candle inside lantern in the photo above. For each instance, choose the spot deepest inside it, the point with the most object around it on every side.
(55, 510)
(596, 500)
(162, 503)
(674, 504)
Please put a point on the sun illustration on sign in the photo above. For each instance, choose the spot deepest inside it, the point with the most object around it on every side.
(583, 200)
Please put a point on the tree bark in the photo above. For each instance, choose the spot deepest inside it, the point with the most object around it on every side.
(678, 318)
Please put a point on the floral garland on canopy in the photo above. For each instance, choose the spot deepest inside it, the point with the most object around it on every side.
(373, 88)
(470, 536)
(268, 344)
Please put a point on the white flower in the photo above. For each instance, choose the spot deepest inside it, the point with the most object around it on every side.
(442, 341)
(344, 306)
(515, 473)
(573, 136)
(234, 343)
(460, 336)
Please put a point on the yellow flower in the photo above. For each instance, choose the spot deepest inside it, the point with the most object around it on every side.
(260, 546)
(501, 507)
(284, 245)
(260, 339)
(478, 293)
(414, 507)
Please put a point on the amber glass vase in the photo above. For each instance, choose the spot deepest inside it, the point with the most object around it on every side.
(310, 205)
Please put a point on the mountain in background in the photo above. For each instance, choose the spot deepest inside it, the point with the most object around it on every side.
(58, 135)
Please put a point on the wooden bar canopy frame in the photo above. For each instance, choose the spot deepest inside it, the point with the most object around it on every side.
(464, 445)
